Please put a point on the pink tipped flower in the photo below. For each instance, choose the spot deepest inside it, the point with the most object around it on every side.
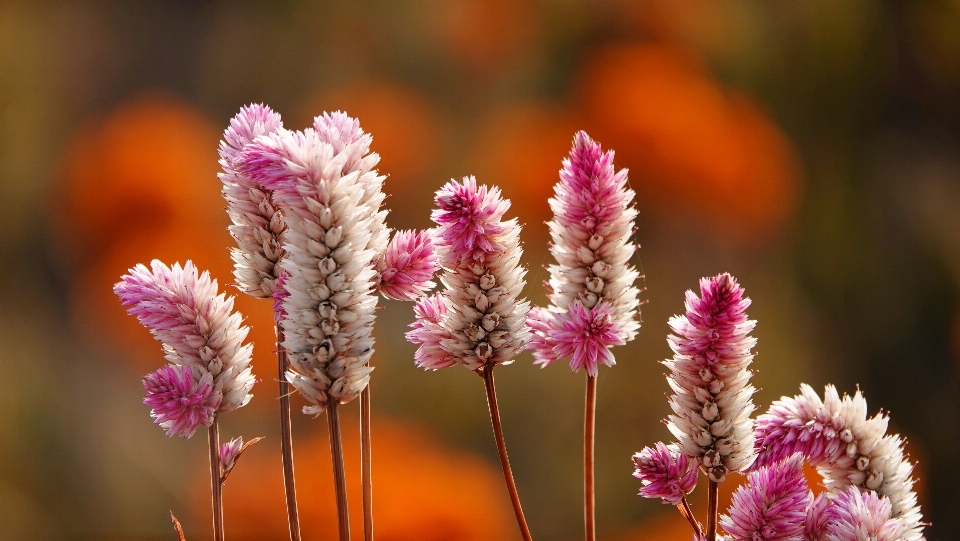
(468, 220)
(257, 225)
(818, 515)
(428, 332)
(197, 327)
(407, 267)
(665, 473)
(180, 404)
(857, 515)
(847, 448)
(229, 454)
(772, 505)
(709, 376)
(587, 335)
(591, 230)
(482, 320)
(335, 234)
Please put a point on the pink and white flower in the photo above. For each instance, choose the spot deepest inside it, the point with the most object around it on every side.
(180, 404)
(195, 324)
(591, 286)
(665, 473)
(257, 224)
(711, 399)
(772, 505)
(481, 321)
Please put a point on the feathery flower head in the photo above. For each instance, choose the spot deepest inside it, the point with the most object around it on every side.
(428, 332)
(712, 396)
(468, 220)
(586, 336)
(197, 326)
(407, 267)
(482, 322)
(857, 515)
(180, 404)
(818, 514)
(335, 235)
(257, 225)
(847, 448)
(665, 473)
(591, 230)
(772, 505)
(229, 454)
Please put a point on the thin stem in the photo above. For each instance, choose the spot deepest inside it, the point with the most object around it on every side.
(216, 485)
(685, 510)
(339, 477)
(487, 375)
(366, 464)
(589, 431)
(712, 501)
(286, 442)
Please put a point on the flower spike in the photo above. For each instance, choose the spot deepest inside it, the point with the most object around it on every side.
(594, 303)
(772, 505)
(709, 376)
(257, 224)
(198, 329)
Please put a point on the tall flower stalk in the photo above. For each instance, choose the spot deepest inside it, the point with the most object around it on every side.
(209, 367)
(594, 303)
(477, 320)
(709, 376)
(258, 229)
(331, 197)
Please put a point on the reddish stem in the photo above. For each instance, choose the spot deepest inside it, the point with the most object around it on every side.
(487, 375)
(366, 464)
(339, 477)
(286, 442)
(589, 432)
(216, 485)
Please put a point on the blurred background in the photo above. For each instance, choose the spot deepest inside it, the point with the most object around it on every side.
(812, 149)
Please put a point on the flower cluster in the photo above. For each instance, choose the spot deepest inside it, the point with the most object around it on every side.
(406, 269)
(594, 303)
(848, 448)
(257, 224)
(771, 505)
(323, 180)
(665, 473)
(202, 337)
(477, 320)
(710, 380)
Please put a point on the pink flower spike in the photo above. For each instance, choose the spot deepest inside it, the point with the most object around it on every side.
(542, 324)
(845, 446)
(772, 505)
(468, 218)
(815, 525)
(179, 403)
(710, 378)
(586, 336)
(229, 454)
(257, 225)
(665, 473)
(856, 515)
(591, 230)
(197, 326)
(428, 332)
(407, 267)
